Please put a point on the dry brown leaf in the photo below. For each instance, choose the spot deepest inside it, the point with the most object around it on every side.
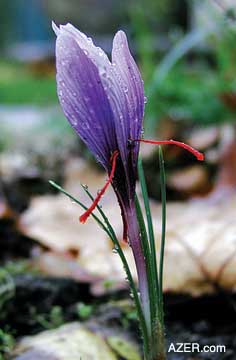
(57, 345)
(200, 246)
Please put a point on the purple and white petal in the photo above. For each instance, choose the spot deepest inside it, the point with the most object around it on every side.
(110, 79)
(83, 98)
(131, 82)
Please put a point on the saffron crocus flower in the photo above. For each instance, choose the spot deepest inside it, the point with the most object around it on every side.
(104, 101)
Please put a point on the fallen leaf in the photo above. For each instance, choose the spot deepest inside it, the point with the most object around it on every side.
(57, 345)
(200, 240)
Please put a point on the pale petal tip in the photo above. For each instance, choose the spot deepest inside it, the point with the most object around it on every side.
(56, 29)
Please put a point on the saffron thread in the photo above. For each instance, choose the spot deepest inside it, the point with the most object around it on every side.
(83, 218)
(196, 153)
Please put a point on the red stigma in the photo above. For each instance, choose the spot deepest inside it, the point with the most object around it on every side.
(83, 218)
(196, 153)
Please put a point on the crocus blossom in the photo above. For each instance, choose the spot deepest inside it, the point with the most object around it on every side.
(104, 102)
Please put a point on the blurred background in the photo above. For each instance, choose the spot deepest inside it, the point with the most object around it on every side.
(186, 52)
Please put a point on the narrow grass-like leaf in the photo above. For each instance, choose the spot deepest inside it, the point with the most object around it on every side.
(108, 224)
(100, 223)
(111, 233)
(150, 227)
(127, 270)
(147, 255)
(163, 230)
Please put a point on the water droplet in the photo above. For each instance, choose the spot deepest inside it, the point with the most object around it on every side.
(126, 90)
(142, 133)
(98, 158)
(102, 72)
(85, 186)
(145, 100)
(85, 125)
(74, 120)
(100, 52)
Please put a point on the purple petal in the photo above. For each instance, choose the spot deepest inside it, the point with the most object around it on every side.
(111, 83)
(83, 98)
(95, 53)
(131, 83)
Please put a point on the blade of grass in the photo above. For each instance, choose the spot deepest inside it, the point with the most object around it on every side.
(58, 187)
(128, 273)
(163, 231)
(147, 255)
(150, 227)
(111, 233)
(127, 270)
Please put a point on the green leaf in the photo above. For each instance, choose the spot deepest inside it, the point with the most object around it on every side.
(150, 226)
(128, 273)
(124, 348)
(149, 269)
(107, 227)
(163, 230)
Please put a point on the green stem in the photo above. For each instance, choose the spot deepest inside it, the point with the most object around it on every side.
(110, 232)
(158, 343)
(163, 235)
(136, 298)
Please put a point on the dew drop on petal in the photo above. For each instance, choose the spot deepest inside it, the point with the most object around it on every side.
(74, 120)
(142, 133)
(98, 158)
(100, 52)
(85, 125)
(145, 100)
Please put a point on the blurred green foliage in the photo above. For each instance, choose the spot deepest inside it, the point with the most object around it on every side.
(196, 80)
(51, 320)
(188, 82)
(7, 343)
(19, 85)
